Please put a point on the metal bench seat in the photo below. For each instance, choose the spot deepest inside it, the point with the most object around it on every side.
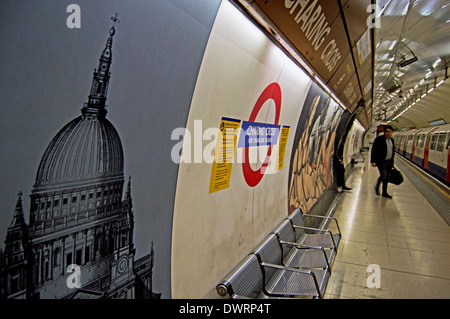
(260, 275)
(300, 255)
(294, 279)
(250, 280)
(294, 261)
(311, 236)
(327, 242)
(293, 282)
(246, 280)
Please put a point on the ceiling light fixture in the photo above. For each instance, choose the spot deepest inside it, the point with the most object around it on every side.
(405, 62)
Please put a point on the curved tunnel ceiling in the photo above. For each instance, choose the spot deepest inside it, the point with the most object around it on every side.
(412, 29)
(431, 108)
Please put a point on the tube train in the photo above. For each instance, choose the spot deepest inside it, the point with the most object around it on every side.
(427, 147)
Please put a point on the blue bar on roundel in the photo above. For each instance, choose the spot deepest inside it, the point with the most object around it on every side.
(258, 134)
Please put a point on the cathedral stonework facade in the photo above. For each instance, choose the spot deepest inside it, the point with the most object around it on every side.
(81, 214)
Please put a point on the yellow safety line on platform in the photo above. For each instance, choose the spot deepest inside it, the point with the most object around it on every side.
(424, 177)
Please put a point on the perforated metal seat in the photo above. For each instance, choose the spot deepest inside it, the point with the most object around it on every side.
(283, 281)
(300, 255)
(294, 261)
(292, 282)
(311, 236)
(246, 280)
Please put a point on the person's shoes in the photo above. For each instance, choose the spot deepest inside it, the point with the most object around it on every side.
(377, 190)
(345, 188)
(386, 195)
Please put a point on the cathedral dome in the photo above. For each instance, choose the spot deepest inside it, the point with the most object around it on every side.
(87, 149)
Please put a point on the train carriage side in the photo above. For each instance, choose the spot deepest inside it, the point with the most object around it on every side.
(439, 152)
(421, 146)
(400, 138)
(395, 136)
(410, 141)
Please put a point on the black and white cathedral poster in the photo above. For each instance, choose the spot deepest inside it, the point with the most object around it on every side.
(90, 93)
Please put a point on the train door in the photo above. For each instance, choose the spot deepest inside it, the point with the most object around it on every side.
(419, 149)
(433, 154)
(439, 157)
(447, 178)
(426, 149)
(414, 142)
(401, 144)
(396, 138)
(409, 147)
(399, 139)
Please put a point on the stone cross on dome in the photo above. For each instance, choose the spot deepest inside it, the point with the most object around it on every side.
(116, 20)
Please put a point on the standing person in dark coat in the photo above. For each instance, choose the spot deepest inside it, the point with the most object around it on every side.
(382, 156)
(340, 169)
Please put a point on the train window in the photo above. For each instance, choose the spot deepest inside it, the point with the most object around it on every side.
(410, 137)
(420, 140)
(433, 142)
(441, 142)
(448, 142)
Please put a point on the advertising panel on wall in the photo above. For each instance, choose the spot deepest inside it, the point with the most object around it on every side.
(354, 142)
(93, 217)
(313, 149)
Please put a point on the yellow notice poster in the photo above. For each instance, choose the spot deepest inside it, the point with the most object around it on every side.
(282, 147)
(224, 154)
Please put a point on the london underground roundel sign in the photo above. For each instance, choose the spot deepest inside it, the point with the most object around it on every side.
(253, 177)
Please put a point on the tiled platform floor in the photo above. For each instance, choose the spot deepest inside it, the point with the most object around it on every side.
(404, 236)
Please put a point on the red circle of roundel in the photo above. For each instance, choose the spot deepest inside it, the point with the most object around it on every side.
(273, 91)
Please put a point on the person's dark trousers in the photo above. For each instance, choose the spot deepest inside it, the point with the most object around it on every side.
(385, 171)
(340, 174)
